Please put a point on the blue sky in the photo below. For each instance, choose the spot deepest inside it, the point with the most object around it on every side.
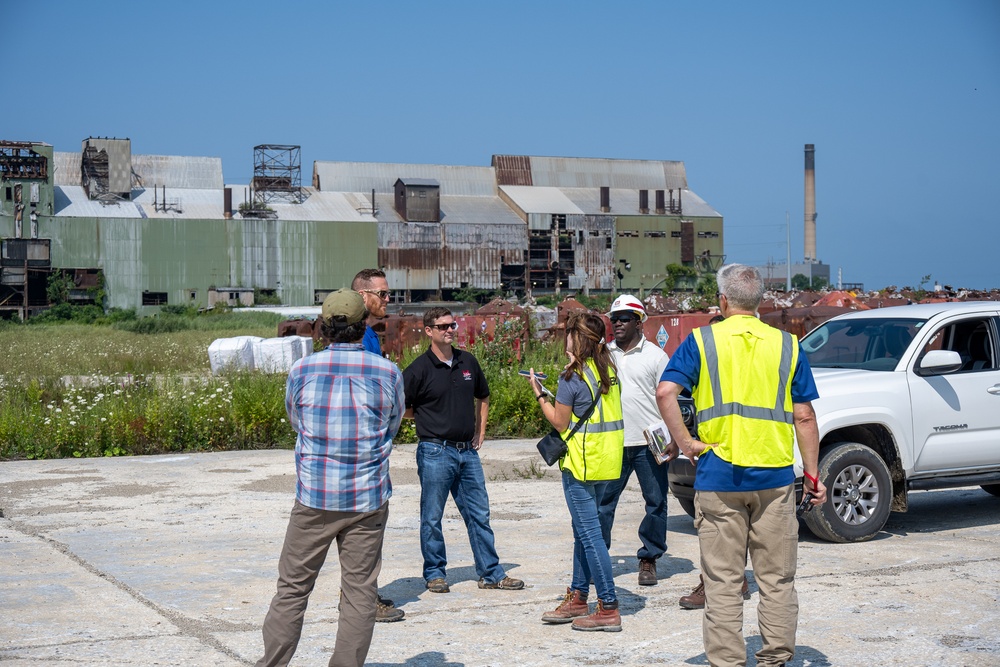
(901, 99)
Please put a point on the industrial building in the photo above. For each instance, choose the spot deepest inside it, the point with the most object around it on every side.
(153, 230)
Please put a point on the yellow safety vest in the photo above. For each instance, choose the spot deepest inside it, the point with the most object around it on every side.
(744, 392)
(594, 453)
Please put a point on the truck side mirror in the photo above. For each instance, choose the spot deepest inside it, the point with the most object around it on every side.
(939, 362)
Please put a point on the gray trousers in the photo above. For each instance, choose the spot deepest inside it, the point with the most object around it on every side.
(310, 534)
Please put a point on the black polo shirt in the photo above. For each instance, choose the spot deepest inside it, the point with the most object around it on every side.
(443, 397)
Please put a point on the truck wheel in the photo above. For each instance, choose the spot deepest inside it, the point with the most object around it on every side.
(687, 504)
(859, 494)
(992, 489)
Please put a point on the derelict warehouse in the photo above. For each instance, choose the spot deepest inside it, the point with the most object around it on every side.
(153, 230)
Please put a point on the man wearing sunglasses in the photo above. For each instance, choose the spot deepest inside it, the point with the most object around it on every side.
(640, 364)
(447, 395)
(373, 286)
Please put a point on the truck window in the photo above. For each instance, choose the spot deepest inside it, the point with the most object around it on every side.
(973, 341)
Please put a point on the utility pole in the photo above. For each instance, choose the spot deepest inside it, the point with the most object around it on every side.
(788, 254)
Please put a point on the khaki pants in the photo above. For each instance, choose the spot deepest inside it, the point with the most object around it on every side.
(730, 523)
(310, 534)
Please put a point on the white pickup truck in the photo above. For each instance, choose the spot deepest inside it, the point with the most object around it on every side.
(909, 399)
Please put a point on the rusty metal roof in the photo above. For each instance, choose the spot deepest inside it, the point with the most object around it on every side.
(382, 177)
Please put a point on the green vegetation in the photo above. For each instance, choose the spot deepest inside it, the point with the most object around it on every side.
(143, 386)
(801, 282)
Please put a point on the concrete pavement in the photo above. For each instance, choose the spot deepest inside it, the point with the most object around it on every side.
(172, 560)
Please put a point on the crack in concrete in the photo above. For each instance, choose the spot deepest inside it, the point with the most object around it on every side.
(188, 627)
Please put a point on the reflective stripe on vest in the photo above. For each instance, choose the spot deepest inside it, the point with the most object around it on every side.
(594, 453)
(743, 397)
(777, 414)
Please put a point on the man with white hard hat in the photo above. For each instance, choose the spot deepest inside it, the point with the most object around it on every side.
(640, 364)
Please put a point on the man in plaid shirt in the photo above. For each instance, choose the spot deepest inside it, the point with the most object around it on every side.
(346, 406)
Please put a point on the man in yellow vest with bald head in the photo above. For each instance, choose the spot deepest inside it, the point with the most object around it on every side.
(752, 389)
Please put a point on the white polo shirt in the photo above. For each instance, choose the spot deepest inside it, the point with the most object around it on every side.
(639, 372)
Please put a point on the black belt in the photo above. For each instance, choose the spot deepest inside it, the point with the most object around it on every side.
(459, 445)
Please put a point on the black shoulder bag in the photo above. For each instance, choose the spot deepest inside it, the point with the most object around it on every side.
(552, 447)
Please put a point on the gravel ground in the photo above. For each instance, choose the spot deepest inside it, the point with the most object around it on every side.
(172, 560)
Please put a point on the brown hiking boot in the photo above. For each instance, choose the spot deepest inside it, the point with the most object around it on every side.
(647, 572)
(505, 584)
(438, 586)
(574, 604)
(696, 598)
(386, 611)
(602, 620)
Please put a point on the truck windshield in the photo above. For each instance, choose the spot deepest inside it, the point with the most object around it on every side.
(875, 344)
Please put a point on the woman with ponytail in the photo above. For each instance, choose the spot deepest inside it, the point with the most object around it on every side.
(588, 393)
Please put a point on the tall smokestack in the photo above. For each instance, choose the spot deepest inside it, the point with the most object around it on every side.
(810, 215)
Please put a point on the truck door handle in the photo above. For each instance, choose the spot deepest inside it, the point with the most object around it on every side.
(995, 389)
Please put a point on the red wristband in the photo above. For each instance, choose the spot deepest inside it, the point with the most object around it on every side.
(814, 480)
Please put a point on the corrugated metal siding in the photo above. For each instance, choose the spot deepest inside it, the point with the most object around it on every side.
(597, 172)
(177, 171)
(119, 153)
(175, 256)
(431, 256)
(593, 260)
(67, 168)
(174, 171)
(201, 204)
(512, 169)
(626, 202)
(380, 176)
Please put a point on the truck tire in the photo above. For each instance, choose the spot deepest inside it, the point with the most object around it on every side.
(992, 489)
(859, 494)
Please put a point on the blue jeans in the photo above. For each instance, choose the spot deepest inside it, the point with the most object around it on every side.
(590, 555)
(443, 470)
(653, 484)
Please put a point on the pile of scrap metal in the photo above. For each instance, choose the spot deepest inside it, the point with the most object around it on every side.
(667, 324)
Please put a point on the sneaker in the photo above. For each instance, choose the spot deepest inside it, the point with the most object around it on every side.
(647, 572)
(574, 605)
(386, 611)
(438, 586)
(696, 598)
(602, 620)
(505, 584)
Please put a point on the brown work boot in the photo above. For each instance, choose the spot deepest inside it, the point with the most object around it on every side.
(602, 620)
(505, 584)
(574, 604)
(438, 585)
(696, 598)
(647, 572)
(386, 611)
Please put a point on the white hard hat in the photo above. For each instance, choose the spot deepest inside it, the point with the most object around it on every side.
(627, 302)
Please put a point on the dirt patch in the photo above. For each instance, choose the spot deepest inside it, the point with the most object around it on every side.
(272, 484)
(129, 490)
(18, 488)
(230, 470)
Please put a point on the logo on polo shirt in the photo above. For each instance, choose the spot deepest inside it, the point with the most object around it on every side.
(467, 375)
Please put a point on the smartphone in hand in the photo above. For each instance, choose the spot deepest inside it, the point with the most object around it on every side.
(805, 505)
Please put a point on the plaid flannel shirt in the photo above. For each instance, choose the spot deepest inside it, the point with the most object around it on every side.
(346, 405)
